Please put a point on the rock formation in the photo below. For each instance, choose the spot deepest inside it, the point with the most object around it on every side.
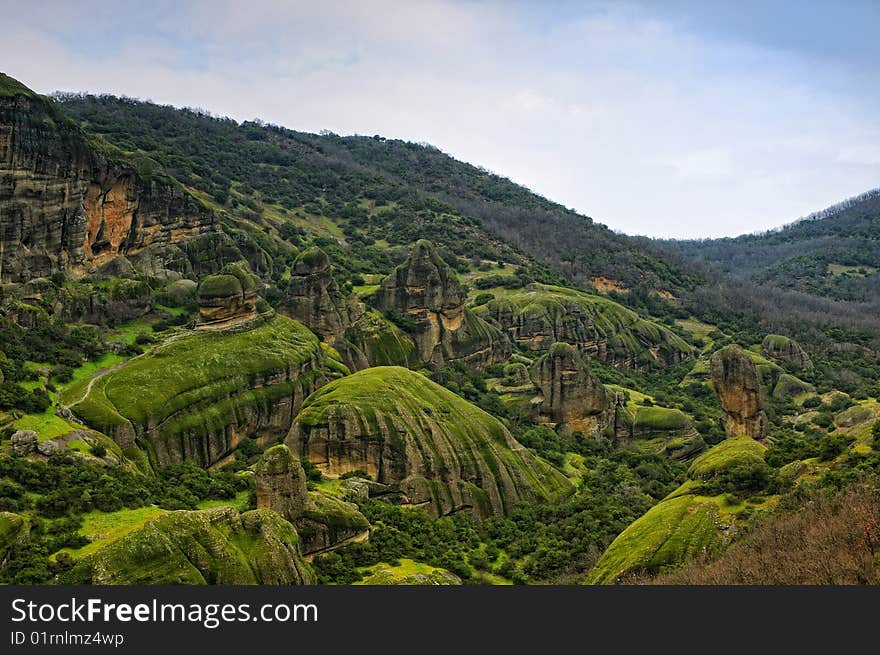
(213, 546)
(738, 385)
(429, 446)
(24, 442)
(314, 298)
(786, 351)
(426, 290)
(570, 393)
(281, 483)
(67, 205)
(541, 315)
(194, 398)
(322, 522)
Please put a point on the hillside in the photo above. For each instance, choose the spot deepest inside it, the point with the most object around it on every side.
(834, 253)
(236, 353)
(371, 188)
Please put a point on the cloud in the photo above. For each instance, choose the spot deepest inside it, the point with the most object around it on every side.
(641, 121)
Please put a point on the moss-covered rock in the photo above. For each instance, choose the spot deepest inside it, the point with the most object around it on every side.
(788, 386)
(328, 523)
(786, 351)
(14, 530)
(541, 314)
(667, 535)
(197, 396)
(434, 448)
(214, 546)
(375, 341)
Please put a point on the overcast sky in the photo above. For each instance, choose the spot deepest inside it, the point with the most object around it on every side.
(662, 118)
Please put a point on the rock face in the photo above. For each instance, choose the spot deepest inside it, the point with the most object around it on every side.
(314, 298)
(786, 351)
(65, 205)
(430, 447)
(281, 483)
(571, 395)
(214, 546)
(660, 428)
(321, 521)
(738, 385)
(427, 291)
(196, 397)
(541, 315)
(226, 298)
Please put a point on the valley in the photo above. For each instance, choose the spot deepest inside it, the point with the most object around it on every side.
(233, 353)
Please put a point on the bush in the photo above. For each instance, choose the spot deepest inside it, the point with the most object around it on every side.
(812, 401)
(98, 450)
(312, 472)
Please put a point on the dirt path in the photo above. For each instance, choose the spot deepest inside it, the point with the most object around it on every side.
(360, 536)
(97, 376)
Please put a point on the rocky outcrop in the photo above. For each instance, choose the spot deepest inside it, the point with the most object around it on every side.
(313, 297)
(738, 385)
(223, 300)
(426, 291)
(281, 483)
(66, 204)
(786, 351)
(24, 442)
(432, 448)
(569, 393)
(657, 429)
(195, 397)
(214, 546)
(322, 522)
(540, 315)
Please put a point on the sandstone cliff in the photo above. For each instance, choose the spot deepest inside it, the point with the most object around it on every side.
(431, 447)
(68, 203)
(569, 393)
(738, 385)
(425, 289)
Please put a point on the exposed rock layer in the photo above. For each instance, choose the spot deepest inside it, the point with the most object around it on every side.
(738, 385)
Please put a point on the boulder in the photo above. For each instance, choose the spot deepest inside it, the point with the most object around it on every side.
(281, 483)
(49, 448)
(313, 297)
(24, 442)
(738, 385)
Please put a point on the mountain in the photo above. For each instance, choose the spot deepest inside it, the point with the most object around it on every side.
(236, 353)
(834, 253)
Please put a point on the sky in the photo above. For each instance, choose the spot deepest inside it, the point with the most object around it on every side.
(667, 118)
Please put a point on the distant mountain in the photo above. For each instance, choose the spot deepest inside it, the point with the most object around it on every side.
(834, 253)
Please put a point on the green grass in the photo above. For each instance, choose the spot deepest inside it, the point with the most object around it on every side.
(660, 418)
(728, 453)
(103, 528)
(668, 534)
(10, 87)
(46, 425)
(838, 270)
(240, 502)
(384, 574)
(365, 290)
(203, 370)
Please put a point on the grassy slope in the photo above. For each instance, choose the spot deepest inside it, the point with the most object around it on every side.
(681, 526)
(196, 370)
